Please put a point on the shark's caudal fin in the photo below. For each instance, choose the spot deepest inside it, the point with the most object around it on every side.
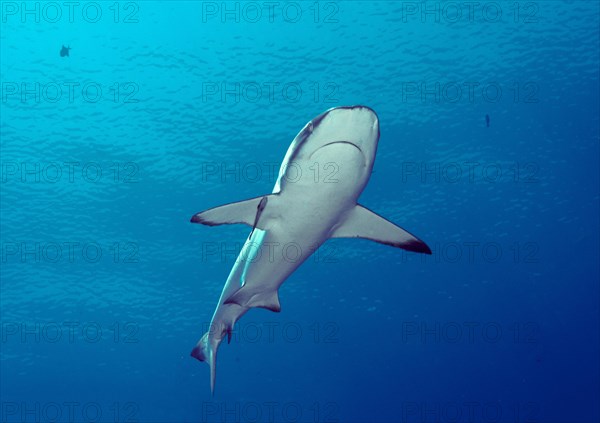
(205, 351)
(247, 212)
(246, 298)
(363, 223)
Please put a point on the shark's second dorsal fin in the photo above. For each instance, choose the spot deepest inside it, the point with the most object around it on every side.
(247, 212)
(363, 223)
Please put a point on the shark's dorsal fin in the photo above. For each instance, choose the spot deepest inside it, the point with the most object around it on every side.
(247, 212)
(363, 223)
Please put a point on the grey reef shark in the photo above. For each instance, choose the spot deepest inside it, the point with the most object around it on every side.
(303, 210)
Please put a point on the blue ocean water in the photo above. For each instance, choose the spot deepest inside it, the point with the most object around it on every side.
(163, 109)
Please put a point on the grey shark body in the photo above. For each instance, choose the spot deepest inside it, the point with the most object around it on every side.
(324, 171)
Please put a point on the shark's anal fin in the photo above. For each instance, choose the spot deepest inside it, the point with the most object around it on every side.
(245, 298)
(247, 212)
(363, 223)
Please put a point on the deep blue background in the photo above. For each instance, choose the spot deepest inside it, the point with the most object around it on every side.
(385, 335)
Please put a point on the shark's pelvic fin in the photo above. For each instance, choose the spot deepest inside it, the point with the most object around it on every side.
(363, 223)
(246, 298)
(204, 351)
(247, 211)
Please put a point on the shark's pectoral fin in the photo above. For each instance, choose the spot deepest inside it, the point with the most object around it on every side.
(247, 211)
(246, 298)
(363, 223)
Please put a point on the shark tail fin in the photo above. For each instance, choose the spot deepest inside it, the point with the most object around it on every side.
(205, 351)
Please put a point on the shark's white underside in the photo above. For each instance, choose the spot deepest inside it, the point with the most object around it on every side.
(324, 171)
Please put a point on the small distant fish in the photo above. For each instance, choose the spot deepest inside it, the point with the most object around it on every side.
(64, 51)
(487, 120)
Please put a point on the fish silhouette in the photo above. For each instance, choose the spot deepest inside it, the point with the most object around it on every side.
(64, 51)
(303, 212)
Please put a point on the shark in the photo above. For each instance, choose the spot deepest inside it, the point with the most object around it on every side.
(315, 198)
